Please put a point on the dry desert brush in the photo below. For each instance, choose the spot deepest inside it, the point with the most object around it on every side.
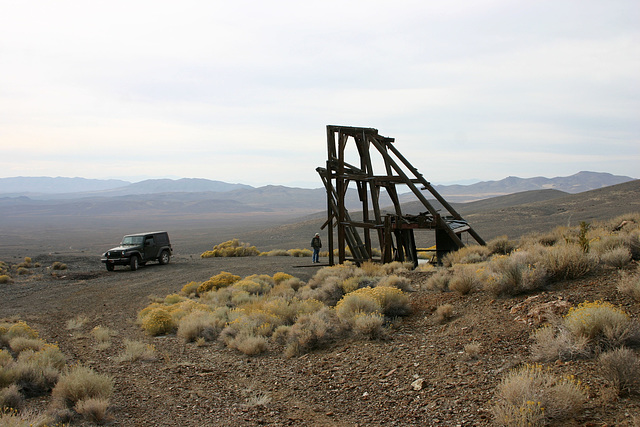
(532, 395)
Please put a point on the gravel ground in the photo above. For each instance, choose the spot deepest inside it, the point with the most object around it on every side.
(352, 383)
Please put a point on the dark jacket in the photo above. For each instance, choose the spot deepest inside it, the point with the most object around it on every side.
(316, 243)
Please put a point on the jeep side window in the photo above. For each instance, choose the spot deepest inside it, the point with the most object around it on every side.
(149, 241)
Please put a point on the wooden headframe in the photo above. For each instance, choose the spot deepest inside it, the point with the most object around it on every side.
(394, 232)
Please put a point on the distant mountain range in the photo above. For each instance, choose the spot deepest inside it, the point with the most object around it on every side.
(44, 188)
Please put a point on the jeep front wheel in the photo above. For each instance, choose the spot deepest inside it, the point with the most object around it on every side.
(110, 267)
(134, 263)
(164, 258)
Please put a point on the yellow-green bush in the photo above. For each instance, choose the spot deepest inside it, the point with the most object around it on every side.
(5, 278)
(281, 277)
(189, 289)
(158, 321)
(231, 248)
(300, 252)
(221, 280)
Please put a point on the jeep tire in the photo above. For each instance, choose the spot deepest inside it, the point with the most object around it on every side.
(164, 258)
(134, 262)
(110, 266)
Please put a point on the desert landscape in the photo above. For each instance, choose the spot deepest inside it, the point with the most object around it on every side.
(442, 363)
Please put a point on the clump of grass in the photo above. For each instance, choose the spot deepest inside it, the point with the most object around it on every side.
(501, 245)
(472, 350)
(617, 258)
(369, 325)
(439, 281)
(231, 248)
(37, 371)
(57, 265)
(532, 395)
(443, 313)
(463, 280)
(80, 383)
(77, 322)
(567, 262)
(558, 343)
(93, 409)
(312, 331)
(19, 344)
(5, 278)
(621, 368)
(201, 324)
(467, 255)
(630, 284)
(102, 335)
(514, 274)
(11, 398)
(135, 351)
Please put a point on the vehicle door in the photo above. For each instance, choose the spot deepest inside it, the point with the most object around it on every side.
(150, 248)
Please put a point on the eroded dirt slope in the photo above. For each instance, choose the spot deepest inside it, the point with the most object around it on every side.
(351, 383)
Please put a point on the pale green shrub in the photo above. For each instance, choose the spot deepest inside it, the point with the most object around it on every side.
(594, 319)
(501, 245)
(618, 257)
(466, 255)
(553, 343)
(80, 383)
(11, 399)
(19, 344)
(464, 279)
(312, 331)
(630, 284)
(567, 262)
(532, 395)
(5, 278)
(439, 281)
(93, 409)
(136, 350)
(621, 368)
(201, 324)
(369, 325)
(356, 303)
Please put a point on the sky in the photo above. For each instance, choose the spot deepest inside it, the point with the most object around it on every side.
(242, 91)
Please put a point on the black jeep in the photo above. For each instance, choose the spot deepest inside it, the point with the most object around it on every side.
(138, 249)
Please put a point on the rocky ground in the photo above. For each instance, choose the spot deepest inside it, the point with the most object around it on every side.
(420, 375)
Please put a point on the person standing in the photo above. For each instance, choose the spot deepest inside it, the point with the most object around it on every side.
(316, 244)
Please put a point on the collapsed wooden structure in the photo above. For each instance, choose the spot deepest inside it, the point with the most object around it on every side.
(394, 231)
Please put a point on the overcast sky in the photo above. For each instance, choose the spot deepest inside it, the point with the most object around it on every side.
(241, 91)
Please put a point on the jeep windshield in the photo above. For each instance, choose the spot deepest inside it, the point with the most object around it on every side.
(132, 240)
